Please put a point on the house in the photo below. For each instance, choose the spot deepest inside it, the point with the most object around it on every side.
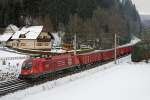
(32, 38)
(7, 34)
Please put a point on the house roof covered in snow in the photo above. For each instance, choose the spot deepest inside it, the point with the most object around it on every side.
(9, 31)
(31, 32)
(5, 37)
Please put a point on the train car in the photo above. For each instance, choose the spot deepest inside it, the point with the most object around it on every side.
(102, 55)
(121, 52)
(107, 55)
(89, 58)
(41, 67)
(124, 50)
(127, 50)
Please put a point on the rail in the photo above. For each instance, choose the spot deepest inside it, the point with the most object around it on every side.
(12, 86)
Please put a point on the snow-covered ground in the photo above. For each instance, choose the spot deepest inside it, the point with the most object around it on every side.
(124, 81)
(10, 64)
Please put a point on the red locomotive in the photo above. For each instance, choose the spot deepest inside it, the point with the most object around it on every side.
(42, 68)
(39, 68)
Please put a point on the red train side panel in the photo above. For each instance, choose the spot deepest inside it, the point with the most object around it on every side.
(88, 58)
(42, 66)
(107, 55)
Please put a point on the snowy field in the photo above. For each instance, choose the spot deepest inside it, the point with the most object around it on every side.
(124, 81)
(10, 64)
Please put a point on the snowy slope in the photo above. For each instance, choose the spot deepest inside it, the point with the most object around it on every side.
(12, 66)
(4, 54)
(123, 82)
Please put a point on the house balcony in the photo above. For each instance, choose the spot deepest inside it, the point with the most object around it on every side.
(43, 39)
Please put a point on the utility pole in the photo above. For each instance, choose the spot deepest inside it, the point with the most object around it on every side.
(75, 44)
(115, 49)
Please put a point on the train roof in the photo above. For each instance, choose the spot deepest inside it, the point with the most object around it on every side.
(97, 51)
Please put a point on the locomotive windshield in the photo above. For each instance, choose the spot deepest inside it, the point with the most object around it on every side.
(27, 65)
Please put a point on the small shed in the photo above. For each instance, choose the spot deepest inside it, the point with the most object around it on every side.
(7, 34)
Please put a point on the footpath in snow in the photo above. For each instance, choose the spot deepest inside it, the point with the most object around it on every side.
(124, 81)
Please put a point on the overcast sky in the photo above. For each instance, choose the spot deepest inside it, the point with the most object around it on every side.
(143, 6)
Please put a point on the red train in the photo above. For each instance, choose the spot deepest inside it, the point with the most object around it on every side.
(39, 68)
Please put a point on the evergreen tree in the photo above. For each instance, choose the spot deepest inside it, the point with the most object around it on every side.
(96, 20)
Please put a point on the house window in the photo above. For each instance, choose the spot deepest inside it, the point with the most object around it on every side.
(40, 37)
(14, 44)
(46, 44)
(22, 36)
(23, 44)
(44, 37)
(39, 44)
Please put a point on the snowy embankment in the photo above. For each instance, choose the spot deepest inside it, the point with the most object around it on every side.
(75, 80)
(122, 82)
(10, 64)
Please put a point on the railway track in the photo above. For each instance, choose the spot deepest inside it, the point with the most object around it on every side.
(12, 86)
(17, 84)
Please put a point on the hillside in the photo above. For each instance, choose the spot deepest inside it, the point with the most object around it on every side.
(127, 82)
(93, 20)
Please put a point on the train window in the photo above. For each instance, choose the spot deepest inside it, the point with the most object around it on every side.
(27, 66)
